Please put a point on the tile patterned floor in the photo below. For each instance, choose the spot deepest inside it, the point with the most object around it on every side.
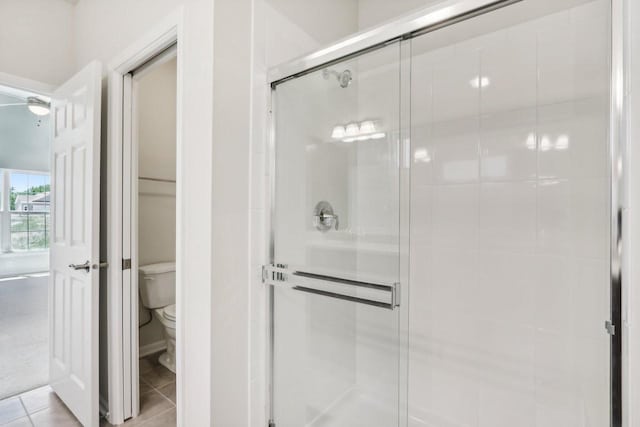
(41, 407)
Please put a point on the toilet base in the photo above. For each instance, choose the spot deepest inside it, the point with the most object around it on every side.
(168, 358)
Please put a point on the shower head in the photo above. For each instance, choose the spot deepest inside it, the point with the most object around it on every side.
(344, 78)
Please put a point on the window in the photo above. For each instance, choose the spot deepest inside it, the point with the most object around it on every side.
(26, 207)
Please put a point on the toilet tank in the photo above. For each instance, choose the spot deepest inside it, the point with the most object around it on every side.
(157, 284)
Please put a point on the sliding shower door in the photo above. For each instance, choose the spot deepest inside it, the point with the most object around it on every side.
(336, 228)
(510, 219)
(441, 228)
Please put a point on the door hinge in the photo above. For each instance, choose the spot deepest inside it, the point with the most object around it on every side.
(126, 264)
(610, 327)
(271, 424)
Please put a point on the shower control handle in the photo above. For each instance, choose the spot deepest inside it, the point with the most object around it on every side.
(328, 220)
(324, 218)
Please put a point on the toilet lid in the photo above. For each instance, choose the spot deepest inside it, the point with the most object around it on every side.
(169, 312)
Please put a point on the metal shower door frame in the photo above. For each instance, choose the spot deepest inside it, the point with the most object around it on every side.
(430, 19)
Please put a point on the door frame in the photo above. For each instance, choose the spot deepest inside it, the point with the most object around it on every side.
(449, 13)
(122, 299)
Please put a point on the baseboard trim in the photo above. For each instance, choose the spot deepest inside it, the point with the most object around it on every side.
(154, 347)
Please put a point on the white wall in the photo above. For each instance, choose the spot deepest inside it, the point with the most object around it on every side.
(36, 39)
(156, 111)
(374, 12)
(104, 28)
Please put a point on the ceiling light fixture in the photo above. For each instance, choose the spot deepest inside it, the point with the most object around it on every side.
(367, 127)
(479, 82)
(37, 106)
(338, 132)
(352, 129)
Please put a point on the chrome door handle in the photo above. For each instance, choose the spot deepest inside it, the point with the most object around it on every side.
(86, 266)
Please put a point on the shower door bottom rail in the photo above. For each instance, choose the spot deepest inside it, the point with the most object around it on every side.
(377, 294)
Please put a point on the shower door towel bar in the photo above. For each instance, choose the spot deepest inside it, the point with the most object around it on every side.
(319, 284)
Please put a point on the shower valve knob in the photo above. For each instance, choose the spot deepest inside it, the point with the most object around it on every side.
(324, 218)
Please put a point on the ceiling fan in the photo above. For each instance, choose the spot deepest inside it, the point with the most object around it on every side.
(36, 105)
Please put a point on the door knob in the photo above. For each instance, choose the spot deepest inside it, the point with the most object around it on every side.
(86, 266)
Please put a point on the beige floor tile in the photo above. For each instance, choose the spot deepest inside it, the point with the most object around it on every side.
(169, 391)
(56, 415)
(158, 376)
(151, 404)
(144, 387)
(38, 399)
(20, 422)
(146, 364)
(166, 419)
(11, 409)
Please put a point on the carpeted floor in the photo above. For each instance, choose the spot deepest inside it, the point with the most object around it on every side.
(24, 361)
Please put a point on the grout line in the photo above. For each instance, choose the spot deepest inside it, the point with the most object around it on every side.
(25, 411)
(157, 390)
(161, 394)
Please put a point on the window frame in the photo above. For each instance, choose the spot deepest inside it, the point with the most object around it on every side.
(6, 214)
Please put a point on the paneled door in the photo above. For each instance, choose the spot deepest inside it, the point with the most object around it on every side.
(74, 264)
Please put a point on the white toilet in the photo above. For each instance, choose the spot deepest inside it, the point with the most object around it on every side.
(157, 284)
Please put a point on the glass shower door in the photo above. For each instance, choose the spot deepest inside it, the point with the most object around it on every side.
(510, 285)
(336, 228)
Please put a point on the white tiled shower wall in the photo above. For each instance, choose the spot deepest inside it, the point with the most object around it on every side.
(509, 279)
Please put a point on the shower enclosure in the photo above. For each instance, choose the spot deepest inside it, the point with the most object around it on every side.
(442, 245)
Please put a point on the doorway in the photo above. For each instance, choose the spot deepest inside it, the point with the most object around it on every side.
(151, 238)
(50, 218)
(142, 361)
(25, 207)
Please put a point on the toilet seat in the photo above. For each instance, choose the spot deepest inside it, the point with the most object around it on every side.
(169, 312)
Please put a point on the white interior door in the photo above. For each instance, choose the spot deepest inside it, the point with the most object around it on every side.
(73, 311)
